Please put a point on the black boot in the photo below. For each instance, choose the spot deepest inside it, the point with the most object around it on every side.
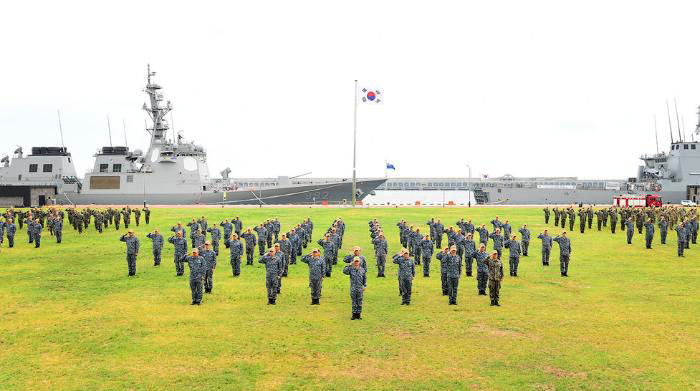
(469, 274)
(274, 302)
(482, 293)
(493, 302)
(496, 302)
(354, 316)
(269, 301)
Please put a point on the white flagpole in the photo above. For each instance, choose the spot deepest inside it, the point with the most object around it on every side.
(354, 152)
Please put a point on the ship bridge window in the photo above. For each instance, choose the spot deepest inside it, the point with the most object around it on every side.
(33, 167)
(116, 168)
(48, 167)
(692, 146)
(685, 146)
(129, 178)
(104, 167)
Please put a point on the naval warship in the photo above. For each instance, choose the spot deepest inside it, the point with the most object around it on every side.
(170, 172)
(673, 175)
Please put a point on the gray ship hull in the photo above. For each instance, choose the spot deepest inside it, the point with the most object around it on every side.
(331, 193)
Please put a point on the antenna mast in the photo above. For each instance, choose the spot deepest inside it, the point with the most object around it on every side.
(656, 133)
(60, 128)
(109, 128)
(670, 128)
(126, 143)
(172, 123)
(678, 122)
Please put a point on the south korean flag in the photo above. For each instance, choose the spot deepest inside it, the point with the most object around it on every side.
(370, 96)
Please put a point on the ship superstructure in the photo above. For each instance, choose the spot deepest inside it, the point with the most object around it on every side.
(170, 172)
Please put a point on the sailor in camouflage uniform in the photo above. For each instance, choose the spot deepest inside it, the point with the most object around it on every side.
(483, 234)
(453, 266)
(249, 238)
(546, 246)
(406, 272)
(198, 267)
(57, 230)
(442, 257)
(273, 271)
(215, 237)
(180, 244)
(482, 271)
(316, 273)
(630, 230)
(381, 248)
(497, 241)
(328, 251)
(524, 239)
(513, 247)
(680, 237)
(10, 229)
(157, 242)
(663, 229)
(236, 250)
(36, 229)
(262, 238)
(426, 251)
(469, 254)
(358, 283)
(228, 229)
(210, 259)
(564, 253)
(132, 250)
(649, 233)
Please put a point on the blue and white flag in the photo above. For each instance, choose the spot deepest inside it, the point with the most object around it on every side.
(390, 166)
(371, 96)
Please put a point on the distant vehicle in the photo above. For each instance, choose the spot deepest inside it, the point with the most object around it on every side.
(637, 200)
(688, 203)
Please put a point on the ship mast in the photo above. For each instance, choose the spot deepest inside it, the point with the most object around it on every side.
(155, 112)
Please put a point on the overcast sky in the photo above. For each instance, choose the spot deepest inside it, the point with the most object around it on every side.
(530, 88)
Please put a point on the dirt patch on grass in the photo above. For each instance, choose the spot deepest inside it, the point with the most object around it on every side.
(561, 373)
(485, 329)
(545, 387)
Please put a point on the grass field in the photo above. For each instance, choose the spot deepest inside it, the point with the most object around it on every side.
(626, 318)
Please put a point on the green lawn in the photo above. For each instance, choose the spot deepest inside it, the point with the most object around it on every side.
(626, 318)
